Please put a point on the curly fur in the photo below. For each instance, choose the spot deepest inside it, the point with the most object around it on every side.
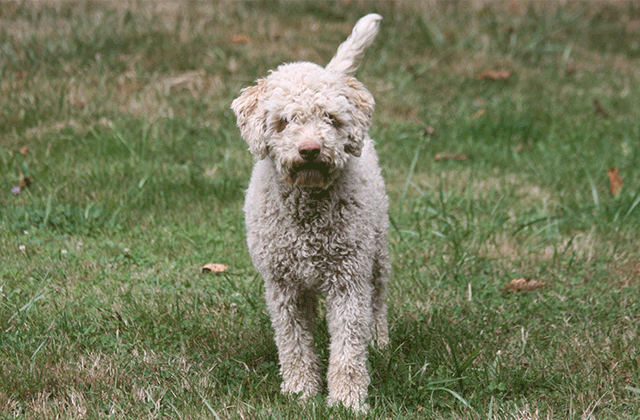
(316, 216)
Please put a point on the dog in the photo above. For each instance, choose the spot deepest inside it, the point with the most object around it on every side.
(316, 216)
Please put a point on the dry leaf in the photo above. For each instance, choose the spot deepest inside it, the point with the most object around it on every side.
(240, 39)
(428, 131)
(633, 26)
(25, 181)
(614, 180)
(599, 109)
(494, 75)
(478, 114)
(448, 156)
(21, 74)
(522, 285)
(24, 150)
(214, 268)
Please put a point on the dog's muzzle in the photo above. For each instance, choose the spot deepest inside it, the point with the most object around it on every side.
(310, 174)
(311, 168)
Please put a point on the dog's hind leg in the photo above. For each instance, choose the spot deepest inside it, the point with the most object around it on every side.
(380, 328)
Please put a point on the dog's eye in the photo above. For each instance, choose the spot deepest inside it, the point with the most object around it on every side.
(282, 124)
(332, 120)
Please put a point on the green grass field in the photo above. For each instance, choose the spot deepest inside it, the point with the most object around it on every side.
(118, 118)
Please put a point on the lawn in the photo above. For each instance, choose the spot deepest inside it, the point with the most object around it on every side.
(509, 136)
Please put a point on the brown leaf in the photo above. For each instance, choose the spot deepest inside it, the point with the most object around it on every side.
(21, 74)
(599, 109)
(214, 268)
(449, 156)
(479, 113)
(240, 39)
(614, 180)
(428, 131)
(522, 285)
(494, 75)
(633, 26)
(25, 181)
(24, 150)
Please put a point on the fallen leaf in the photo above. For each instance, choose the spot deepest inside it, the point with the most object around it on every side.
(494, 75)
(599, 109)
(614, 180)
(479, 113)
(428, 131)
(21, 75)
(214, 268)
(570, 70)
(25, 181)
(24, 150)
(240, 39)
(449, 156)
(522, 285)
(633, 26)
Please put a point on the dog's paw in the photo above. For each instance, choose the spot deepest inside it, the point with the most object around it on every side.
(348, 387)
(305, 386)
(353, 404)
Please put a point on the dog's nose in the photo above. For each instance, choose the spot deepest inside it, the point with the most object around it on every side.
(309, 150)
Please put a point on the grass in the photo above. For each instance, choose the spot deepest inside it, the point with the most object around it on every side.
(138, 175)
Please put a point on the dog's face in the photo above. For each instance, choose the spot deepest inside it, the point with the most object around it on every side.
(307, 120)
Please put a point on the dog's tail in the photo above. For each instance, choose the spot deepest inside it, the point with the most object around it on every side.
(351, 51)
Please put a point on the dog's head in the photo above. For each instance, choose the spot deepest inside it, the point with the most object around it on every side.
(308, 120)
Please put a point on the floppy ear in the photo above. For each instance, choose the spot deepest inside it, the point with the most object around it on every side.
(251, 118)
(361, 114)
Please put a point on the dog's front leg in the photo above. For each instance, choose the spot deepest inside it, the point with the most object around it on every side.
(293, 312)
(349, 317)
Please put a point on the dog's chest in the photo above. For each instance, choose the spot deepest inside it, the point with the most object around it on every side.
(311, 241)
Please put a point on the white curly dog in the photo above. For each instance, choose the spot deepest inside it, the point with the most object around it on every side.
(316, 216)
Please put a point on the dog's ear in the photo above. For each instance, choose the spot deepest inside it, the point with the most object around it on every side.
(252, 118)
(362, 113)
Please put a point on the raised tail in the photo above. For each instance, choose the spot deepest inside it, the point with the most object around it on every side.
(350, 52)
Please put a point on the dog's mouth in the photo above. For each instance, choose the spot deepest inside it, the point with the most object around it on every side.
(310, 174)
